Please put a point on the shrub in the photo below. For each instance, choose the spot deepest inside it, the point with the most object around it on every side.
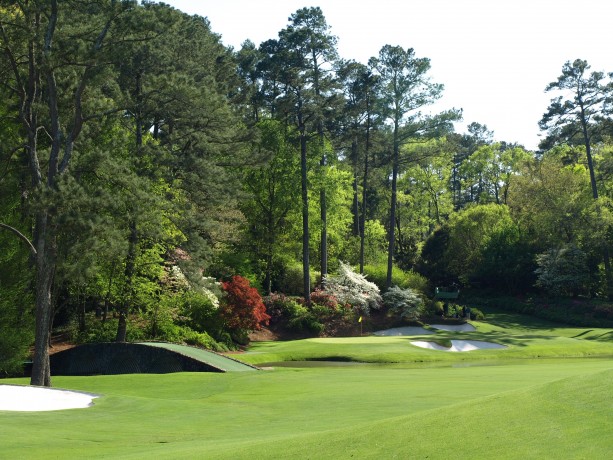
(201, 339)
(404, 302)
(324, 298)
(106, 331)
(291, 313)
(434, 308)
(279, 306)
(563, 271)
(476, 314)
(290, 280)
(96, 331)
(333, 320)
(174, 280)
(306, 323)
(411, 279)
(351, 288)
(161, 318)
(242, 307)
(282, 308)
(198, 311)
(230, 262)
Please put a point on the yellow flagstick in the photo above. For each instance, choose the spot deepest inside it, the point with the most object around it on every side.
(360, 321)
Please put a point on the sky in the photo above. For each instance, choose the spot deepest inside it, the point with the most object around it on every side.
(494, 57)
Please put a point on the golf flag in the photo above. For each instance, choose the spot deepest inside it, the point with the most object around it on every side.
(360, 319)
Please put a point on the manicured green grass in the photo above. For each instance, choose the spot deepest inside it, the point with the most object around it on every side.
(272, 413)
(482, 404)
(566, 419)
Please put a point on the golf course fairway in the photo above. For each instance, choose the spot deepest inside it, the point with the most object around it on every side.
(547, 395)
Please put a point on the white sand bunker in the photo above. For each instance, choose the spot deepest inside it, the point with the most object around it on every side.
(34, 399)
(401, 331)
(459, 345)
(466, 327)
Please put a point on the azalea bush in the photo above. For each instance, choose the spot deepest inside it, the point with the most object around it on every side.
(563, 271)
(324, 298)
(351, 288)
(199, 311)
(291, 314)
(404, 302)
(242, 306)
(281, 307)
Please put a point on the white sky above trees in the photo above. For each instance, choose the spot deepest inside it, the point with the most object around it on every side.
(494, 57)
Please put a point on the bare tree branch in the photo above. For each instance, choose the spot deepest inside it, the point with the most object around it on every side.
(20, 236)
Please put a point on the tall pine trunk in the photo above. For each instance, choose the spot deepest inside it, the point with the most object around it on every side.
(356, 198)
(306, 276)
(392, 224)
(324, 230)
(45, 266)
(323, 205)
(364, 188)
(122, 325)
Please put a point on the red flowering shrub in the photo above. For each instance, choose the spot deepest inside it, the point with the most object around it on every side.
(324, 299)
(242, 307)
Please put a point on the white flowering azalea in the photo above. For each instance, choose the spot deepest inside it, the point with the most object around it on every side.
(209, 285)
(353, 288)
(405, 302)
(176, 278)
(211, 297)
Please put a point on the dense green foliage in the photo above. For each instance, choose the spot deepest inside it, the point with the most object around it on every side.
(142, 162)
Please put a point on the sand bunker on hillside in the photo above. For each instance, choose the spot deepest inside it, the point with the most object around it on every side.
(34, 399)
(400, 331)
(466, 327)
(414, 330)
(459, 345)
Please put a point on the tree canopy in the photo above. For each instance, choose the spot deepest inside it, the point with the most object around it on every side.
(144, 166)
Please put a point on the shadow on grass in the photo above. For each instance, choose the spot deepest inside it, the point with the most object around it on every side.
(508, 320)
(583, 333)
(606, 337)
